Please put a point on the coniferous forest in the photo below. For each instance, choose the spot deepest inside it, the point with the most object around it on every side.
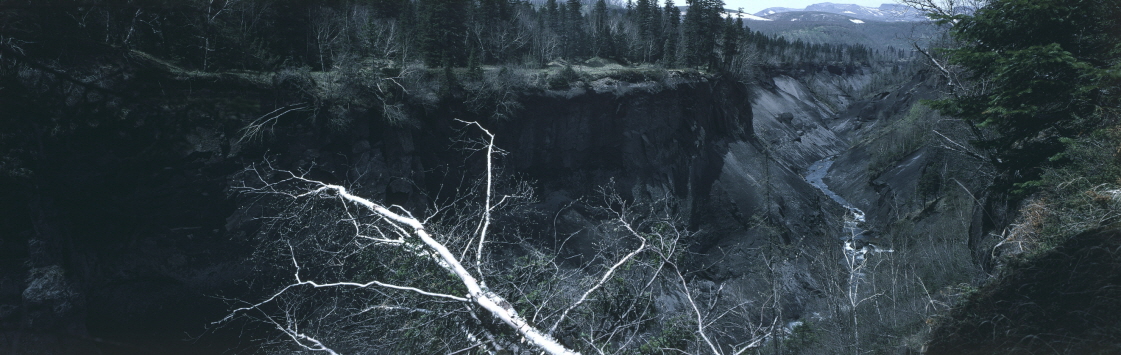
(320, 35)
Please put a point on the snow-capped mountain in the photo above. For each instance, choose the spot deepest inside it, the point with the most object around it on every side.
(884, 13)
(775, 10)
(812, 16)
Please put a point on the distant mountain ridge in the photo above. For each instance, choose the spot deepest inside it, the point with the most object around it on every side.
(883, 13)
(814, 16)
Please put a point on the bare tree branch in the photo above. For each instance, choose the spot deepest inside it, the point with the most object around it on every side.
(606, 275)
(412, 235)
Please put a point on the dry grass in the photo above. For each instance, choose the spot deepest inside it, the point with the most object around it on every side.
(1025, 234)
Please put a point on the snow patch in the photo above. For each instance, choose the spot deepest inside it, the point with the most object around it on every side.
(855, 20)
(886, 12)
(744, 15)
(790, 86)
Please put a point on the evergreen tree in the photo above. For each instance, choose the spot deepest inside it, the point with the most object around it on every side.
(601, 34)
(644, 18)
(561, 28)
(654, 32)
(474, 70)
(552, 15)
(443, 32)
(407, 20)
(671, 19)
(701, 26)
(729, 47)
(575, 31)
(1044, 69)
(388, 8)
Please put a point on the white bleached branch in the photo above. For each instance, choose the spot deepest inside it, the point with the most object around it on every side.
(697, 312)
(268, 121)
(440, 253)
(606, 276)
(484, 222)
(413, 235)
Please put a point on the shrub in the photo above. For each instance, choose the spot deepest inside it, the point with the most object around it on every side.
(563, 79)
(1079, 192)
(802, 337)
(901, 138)
(638, 75)
(677, 333)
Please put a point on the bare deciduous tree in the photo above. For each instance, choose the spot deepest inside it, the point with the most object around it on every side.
(367, 277)
(375, 225)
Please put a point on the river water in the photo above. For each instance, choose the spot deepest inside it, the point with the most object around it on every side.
(857, 240)
(815, 175)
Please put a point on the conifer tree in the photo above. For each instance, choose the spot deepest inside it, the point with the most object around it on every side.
(701, 26)
(1039, 71)
(575, 30)
(561, 29)
(443, 31)
(602, 39)
(729, 47)
(474, 70)
(670, 24)
(552, 15)
(644, 19)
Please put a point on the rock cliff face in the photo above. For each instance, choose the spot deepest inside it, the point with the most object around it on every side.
(656, 142)
(733, 152)
(764, 229)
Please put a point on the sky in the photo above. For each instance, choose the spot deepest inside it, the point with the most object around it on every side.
(753, 6)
